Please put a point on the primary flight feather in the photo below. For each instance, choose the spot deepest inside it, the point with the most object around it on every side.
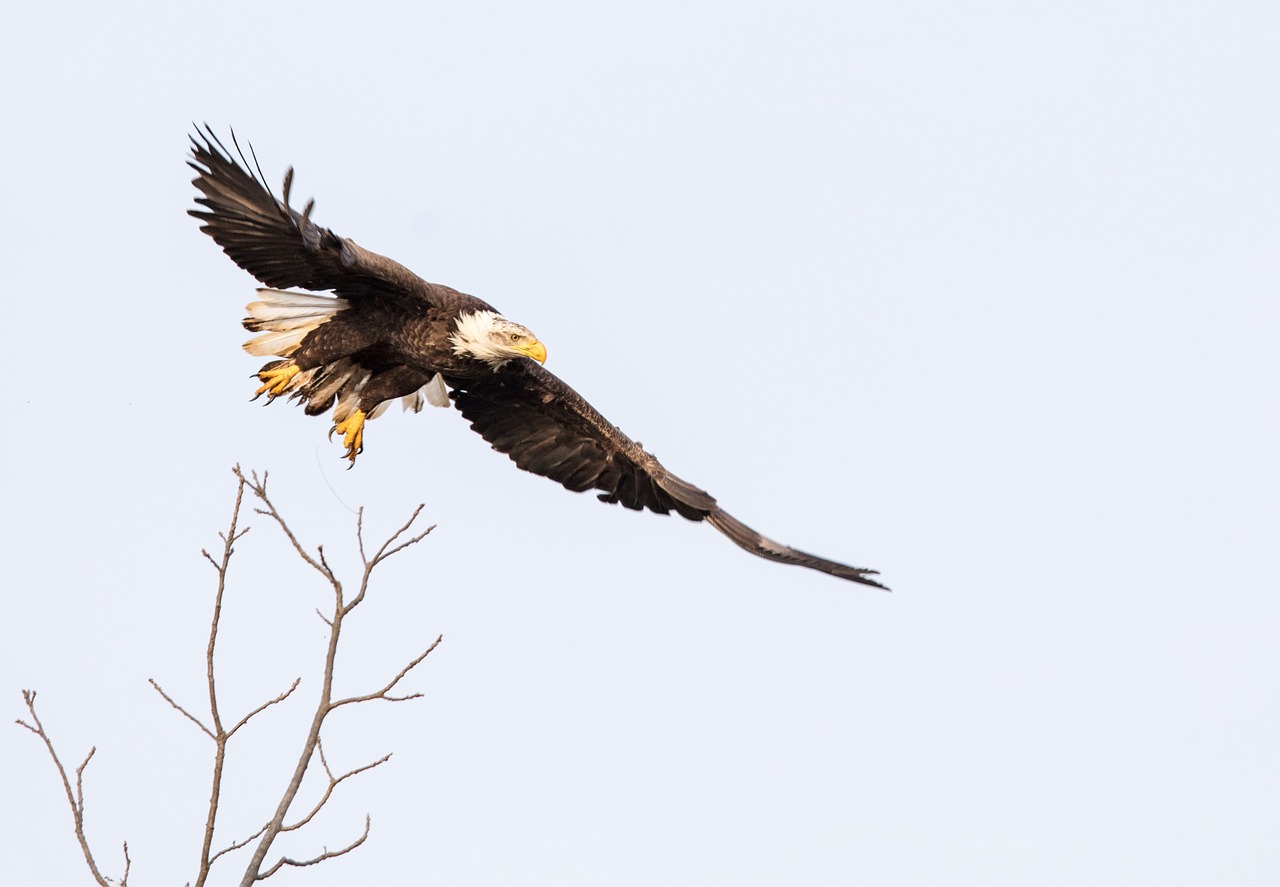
(386, 335)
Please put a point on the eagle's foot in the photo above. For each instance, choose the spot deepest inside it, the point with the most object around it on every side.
(276, 379)
(352, 431)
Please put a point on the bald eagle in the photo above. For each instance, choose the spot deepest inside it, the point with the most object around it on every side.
(385, 334)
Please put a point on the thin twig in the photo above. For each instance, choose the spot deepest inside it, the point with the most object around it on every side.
(169, 699)
(360, 534)
(328, 854)
(334, 782)
(383, 553)
(259, 488)
(74, 799)
(220, 735)
(383, 693)
(238, 844)
(261, 708)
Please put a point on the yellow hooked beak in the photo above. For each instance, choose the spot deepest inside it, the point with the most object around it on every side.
(533, 348)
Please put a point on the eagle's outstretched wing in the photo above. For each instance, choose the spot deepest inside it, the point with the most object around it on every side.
(274, 242)
(549, 429)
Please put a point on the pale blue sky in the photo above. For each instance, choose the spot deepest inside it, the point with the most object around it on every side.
(982, 295)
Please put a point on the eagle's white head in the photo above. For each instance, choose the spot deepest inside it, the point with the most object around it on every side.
(490, 337)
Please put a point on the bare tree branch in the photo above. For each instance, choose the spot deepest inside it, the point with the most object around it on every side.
(334, 782)
(189, 715)
(220, 735)
(214, 728)
(382, 553)
(324, 563)
(328, 854)
(360, 533)
(259, 488)
(261, 708)
(383, 693)
(230, 848)
(325, 705)
(75, 799)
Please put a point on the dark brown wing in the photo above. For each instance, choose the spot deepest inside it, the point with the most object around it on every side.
(278, 245)
(548, 428)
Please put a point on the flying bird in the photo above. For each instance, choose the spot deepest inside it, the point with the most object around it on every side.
(386, 335)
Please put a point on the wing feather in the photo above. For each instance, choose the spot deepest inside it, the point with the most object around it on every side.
(278, 245)
(547, 428)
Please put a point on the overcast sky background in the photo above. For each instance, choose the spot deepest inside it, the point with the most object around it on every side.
(982, 295)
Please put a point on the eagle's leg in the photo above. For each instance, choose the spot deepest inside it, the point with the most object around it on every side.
(352, 431)
(276, 377)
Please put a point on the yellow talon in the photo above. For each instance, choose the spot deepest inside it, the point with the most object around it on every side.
(276, 379)
(352, 431)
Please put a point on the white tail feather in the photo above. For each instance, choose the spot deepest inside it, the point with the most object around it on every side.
(278, 344)
(281, 299)
(286, 318)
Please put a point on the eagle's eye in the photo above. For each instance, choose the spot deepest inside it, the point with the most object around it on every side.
(516, 337)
